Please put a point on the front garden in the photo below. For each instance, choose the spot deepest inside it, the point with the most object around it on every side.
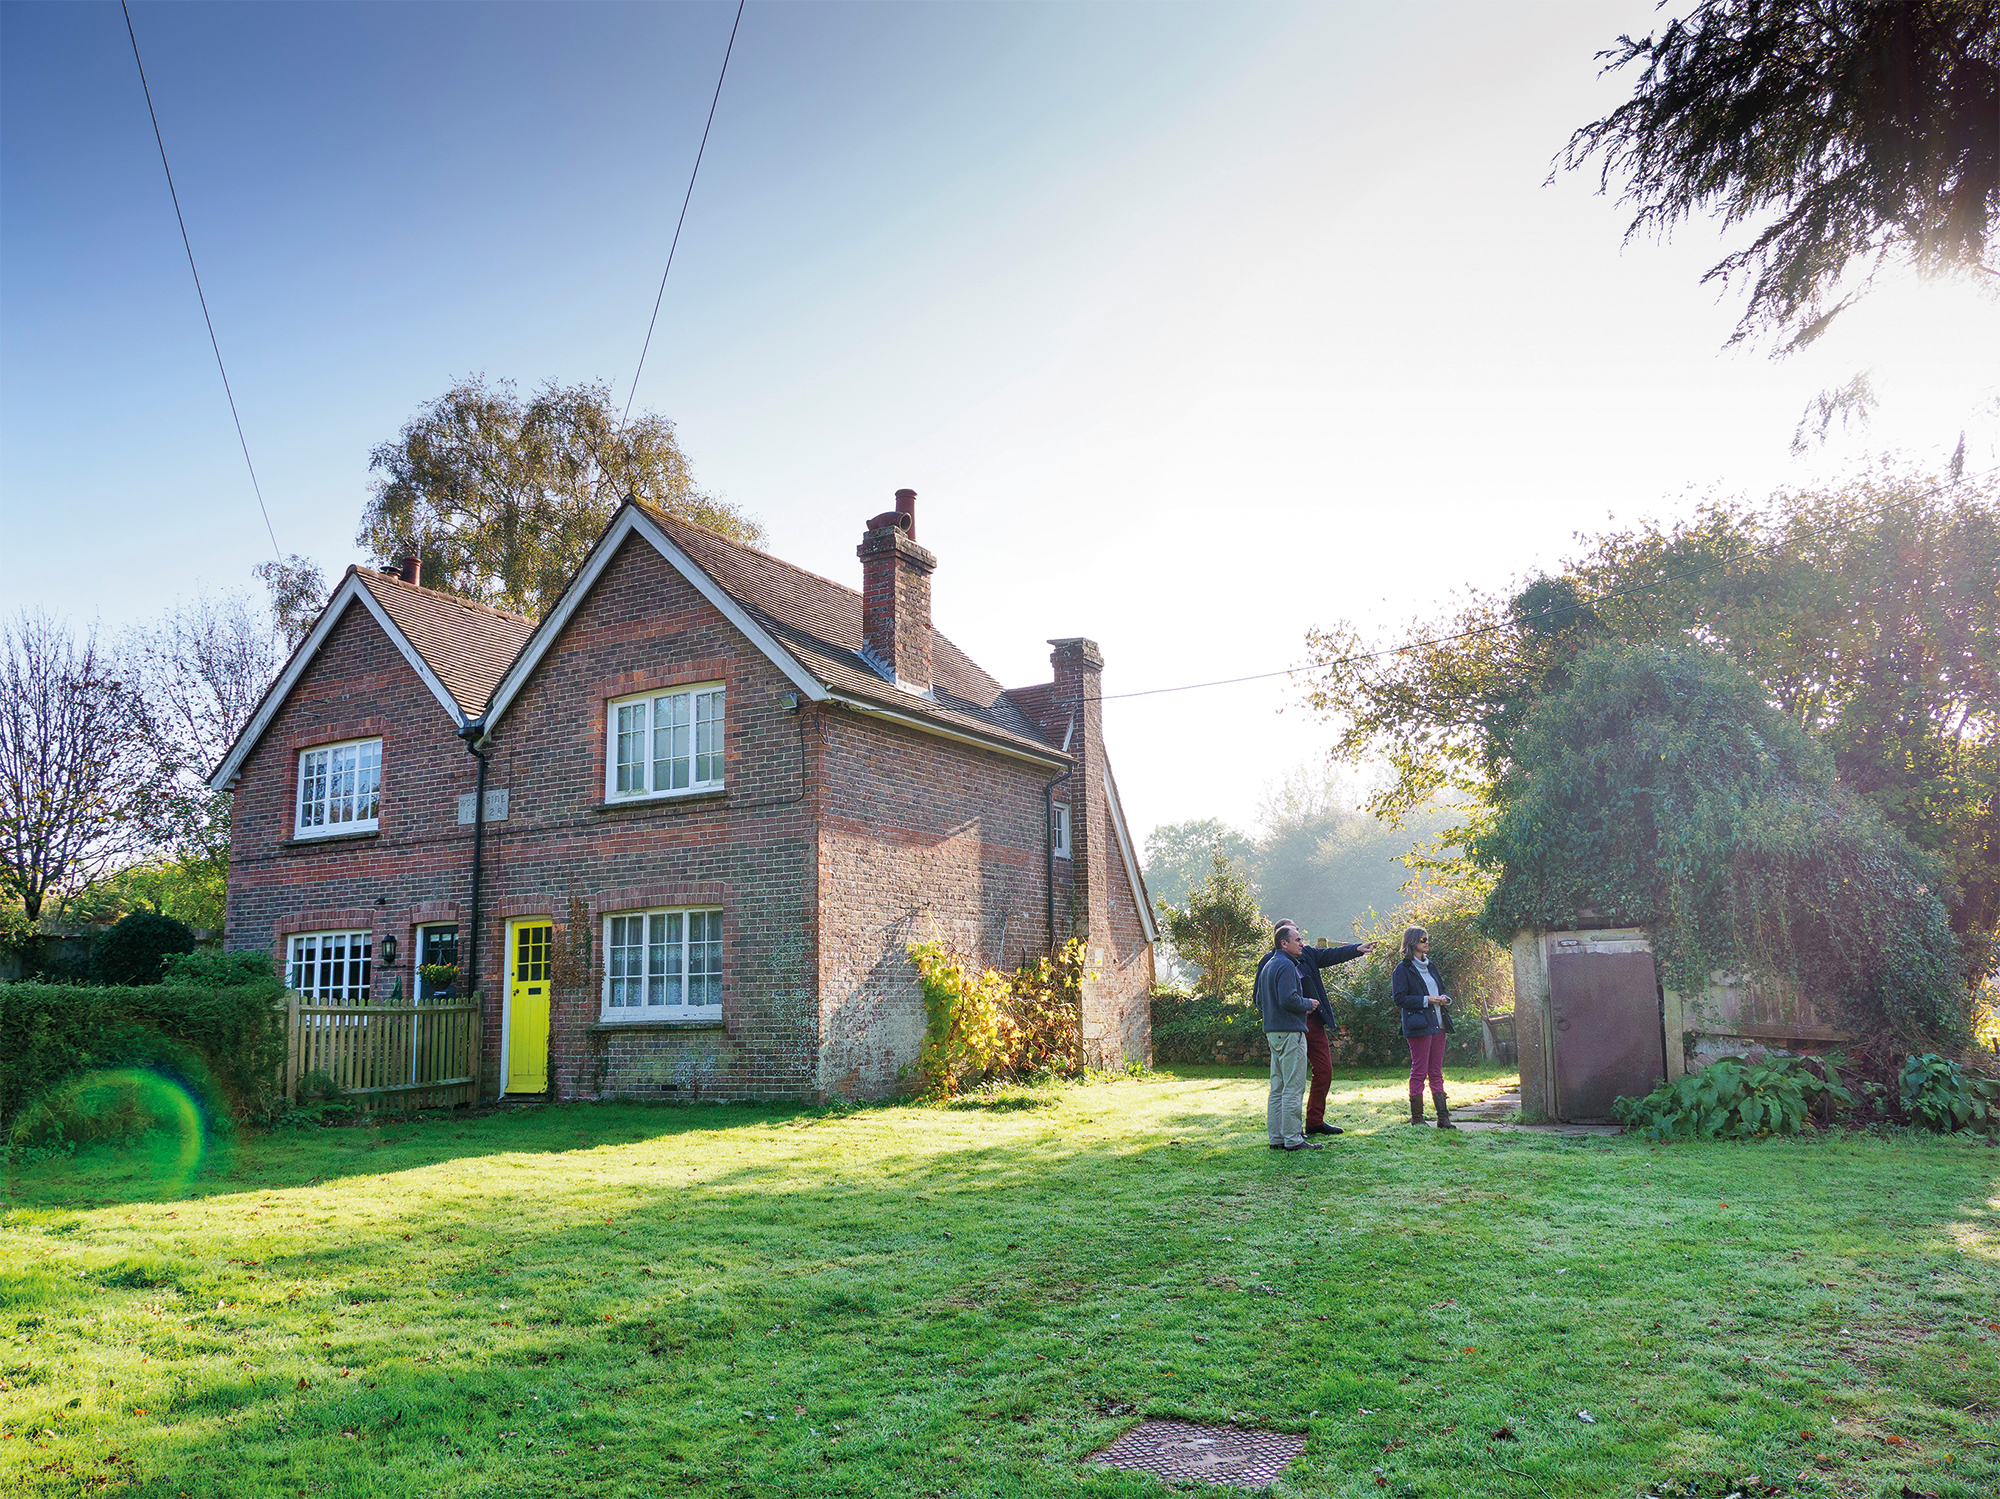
(627, 1299)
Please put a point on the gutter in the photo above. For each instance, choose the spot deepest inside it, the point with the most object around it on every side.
(931, 726)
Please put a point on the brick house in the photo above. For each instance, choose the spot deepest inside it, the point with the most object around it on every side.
(757, 784)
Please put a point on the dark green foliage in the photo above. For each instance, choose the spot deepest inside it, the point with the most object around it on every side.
(1853, 131)
(1938, 1094)
(1867, 614)
(1662, 791)
(1189, 1028)
(131, 952)
(1732, 1099)
(1219, 930)
(214, 969)
(225, 1044)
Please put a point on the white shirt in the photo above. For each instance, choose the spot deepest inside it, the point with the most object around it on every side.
(1423, 967)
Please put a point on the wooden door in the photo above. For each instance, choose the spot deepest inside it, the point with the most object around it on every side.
(1606, 1010)
(528, 1008)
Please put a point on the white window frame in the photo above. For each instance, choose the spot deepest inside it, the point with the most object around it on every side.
(320, 984)
(1059, 829)
(701, 709)
(658, 987)
(321, 770)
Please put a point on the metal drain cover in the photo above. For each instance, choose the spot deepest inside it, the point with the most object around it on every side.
(1179, 1451)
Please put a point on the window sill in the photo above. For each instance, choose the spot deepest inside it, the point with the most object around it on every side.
(677, 1023)
(667, 803)
(297, 844)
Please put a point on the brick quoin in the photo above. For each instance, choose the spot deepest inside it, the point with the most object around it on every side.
(841, 836)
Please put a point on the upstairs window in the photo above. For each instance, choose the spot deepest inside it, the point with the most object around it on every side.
(340, 788)
(664, 743)
(1059, 829)
(663, 964)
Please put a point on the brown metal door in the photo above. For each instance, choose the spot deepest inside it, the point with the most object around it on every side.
(1606, 1011)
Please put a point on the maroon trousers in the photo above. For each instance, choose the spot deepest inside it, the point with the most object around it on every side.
(1426, 1061)
(1319, 1057)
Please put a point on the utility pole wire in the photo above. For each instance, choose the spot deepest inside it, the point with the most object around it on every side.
(199, 293)
(629, 395)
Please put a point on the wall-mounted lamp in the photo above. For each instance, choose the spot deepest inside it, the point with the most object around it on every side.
(389, 949)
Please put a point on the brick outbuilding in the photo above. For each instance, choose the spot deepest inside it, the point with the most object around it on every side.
(752, 786)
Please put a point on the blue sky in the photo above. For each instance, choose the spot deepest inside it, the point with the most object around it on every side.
(1193, 326)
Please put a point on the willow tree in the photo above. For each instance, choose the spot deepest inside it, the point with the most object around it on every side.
(500, 498)
(1859, 135)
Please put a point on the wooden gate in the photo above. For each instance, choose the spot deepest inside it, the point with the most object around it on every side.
(395, 1056)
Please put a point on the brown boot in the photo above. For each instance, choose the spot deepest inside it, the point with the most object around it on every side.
(1444, 1113)
(1417, 1109)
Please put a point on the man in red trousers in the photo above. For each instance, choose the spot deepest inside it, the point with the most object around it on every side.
(1319, 1048)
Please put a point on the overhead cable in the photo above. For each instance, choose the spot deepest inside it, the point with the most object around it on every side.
(661, 294)
(199, 293)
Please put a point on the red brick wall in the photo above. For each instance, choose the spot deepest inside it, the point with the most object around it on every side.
(749, 851)
(359, 684)
(922, 836)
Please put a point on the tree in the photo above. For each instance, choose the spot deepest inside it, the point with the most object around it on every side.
(1219, 930)
(500, 498)
(74, 775)
(132, 951)
(1869, 615)
(1178, 855)
(298, 593)
(1870, 130)
(1660, 789)
(202, 670)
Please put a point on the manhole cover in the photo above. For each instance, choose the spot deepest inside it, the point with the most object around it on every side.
(1178, 1451)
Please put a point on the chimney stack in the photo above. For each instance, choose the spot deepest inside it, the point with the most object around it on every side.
(896, 596)
(409, 569)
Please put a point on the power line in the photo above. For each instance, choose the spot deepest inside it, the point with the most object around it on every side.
(684, 213)
(1546, 615)
(199, 293)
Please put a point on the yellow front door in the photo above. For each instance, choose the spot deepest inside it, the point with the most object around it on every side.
(528, 1008)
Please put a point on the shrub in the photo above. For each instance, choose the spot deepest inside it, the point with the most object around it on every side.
(981, 1025)
(1734, 1099)
(1662, 790)
(1938, 1094)
(224, 1044)
(216, 970)
(1191, 1027)
(131, 951)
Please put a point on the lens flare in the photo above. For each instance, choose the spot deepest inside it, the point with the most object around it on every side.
(152, 1119)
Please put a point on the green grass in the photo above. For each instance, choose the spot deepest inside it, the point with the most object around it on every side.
(624, 1299)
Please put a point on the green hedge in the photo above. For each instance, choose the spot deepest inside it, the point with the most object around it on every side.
(224, 1042)
(1190, 1028)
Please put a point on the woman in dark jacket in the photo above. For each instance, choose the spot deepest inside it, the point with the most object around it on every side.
(1419, 992)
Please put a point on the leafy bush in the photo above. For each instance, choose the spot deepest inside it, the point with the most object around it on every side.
(224, 1044)
(1662, 790)
(131, 952)
(1191, 1027)
(981, 1025)
(212, 969)
(1478, 973)
(1734, 1099)
(1936, 1093)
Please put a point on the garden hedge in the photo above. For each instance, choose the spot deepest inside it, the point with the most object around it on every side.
(224, 1041)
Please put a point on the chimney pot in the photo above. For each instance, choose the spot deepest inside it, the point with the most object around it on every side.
(906, 505)
(409, 569)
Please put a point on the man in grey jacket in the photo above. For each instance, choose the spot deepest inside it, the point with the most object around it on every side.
(1284, 1005)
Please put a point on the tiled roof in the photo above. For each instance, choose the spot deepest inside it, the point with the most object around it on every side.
(819, 622)
(468, 645)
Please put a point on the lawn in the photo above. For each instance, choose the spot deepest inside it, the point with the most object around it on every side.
(635, 1299)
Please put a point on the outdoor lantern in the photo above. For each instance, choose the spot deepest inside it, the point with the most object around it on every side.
(389, 949)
